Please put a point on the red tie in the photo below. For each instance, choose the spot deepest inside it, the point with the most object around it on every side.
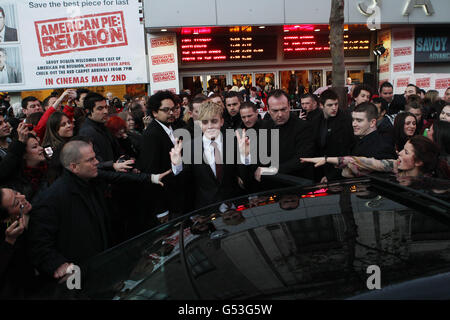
(218, 161)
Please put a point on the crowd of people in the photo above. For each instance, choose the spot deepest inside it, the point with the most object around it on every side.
(81, 172)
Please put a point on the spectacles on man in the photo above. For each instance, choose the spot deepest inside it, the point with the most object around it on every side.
(167, 110)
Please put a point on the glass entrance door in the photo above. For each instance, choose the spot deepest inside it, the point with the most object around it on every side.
(216, 83)
(194, 84)
(242, 80)
(265, 81)
(315, 80)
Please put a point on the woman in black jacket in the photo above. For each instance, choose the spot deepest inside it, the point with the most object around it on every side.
(58, 131)
(17, 280)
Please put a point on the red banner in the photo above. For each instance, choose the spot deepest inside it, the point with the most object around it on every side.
(402, 83)
(384, 68)
(163, 59)
(164, 76)
(88, 32)
(442, 83)
(401, 67)
(406, 51)
(162, 42)
(423, 83)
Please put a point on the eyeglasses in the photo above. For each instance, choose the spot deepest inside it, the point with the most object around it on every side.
(90, 160)
(167, 110)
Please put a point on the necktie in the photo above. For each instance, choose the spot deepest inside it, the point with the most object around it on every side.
(218, 161)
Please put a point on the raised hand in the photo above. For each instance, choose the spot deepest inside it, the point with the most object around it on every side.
(302, 115)
(22, 131)
(14, 231)
(175, 153)
(243, 143)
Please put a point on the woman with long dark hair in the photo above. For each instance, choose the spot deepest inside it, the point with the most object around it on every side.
(405, 126)
(58, 131)
(419, 157)
(27, 172)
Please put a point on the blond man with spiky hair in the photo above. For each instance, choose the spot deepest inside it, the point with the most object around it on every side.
(207, 164)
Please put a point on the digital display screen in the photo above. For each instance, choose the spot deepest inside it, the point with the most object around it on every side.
(432, 45)
(235, 45)
(306, 45)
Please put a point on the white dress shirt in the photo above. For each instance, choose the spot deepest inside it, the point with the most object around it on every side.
(208, 155)
(169, 131)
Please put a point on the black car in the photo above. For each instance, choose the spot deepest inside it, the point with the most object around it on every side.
(328, 241)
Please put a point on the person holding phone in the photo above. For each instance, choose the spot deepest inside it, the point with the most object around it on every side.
(69, 95)
(17, 280)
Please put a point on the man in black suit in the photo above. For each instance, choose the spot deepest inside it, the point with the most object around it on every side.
(396, 103)
(106, 146)
(232, 117)
(6, 33)
(310, 107)
(368, 142)
(157, 141)
(295, 137)
(207, 164)
(334, 134)
(71, 221)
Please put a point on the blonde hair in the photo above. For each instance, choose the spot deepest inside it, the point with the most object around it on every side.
(209, 109)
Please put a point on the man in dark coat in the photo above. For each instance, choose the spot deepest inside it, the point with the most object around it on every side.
(231, 116)
(70, 221)
(105, 144)
(368, 142)
(396, 103)
(157, 141)
(295, 138)
(334, 135)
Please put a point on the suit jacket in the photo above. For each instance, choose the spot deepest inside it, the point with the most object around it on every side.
(13, 75)
(105, 144)
(295, 142)
(207, 188)
(334, 138)
(397, 104)
(10, 34)
(155, 158)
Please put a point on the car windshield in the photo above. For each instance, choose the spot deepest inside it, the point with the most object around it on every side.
(298, 242)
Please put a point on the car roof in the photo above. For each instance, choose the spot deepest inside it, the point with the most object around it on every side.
(300, 241)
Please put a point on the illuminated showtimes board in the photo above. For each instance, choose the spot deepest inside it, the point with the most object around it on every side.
(235, 45)
(301, 45)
